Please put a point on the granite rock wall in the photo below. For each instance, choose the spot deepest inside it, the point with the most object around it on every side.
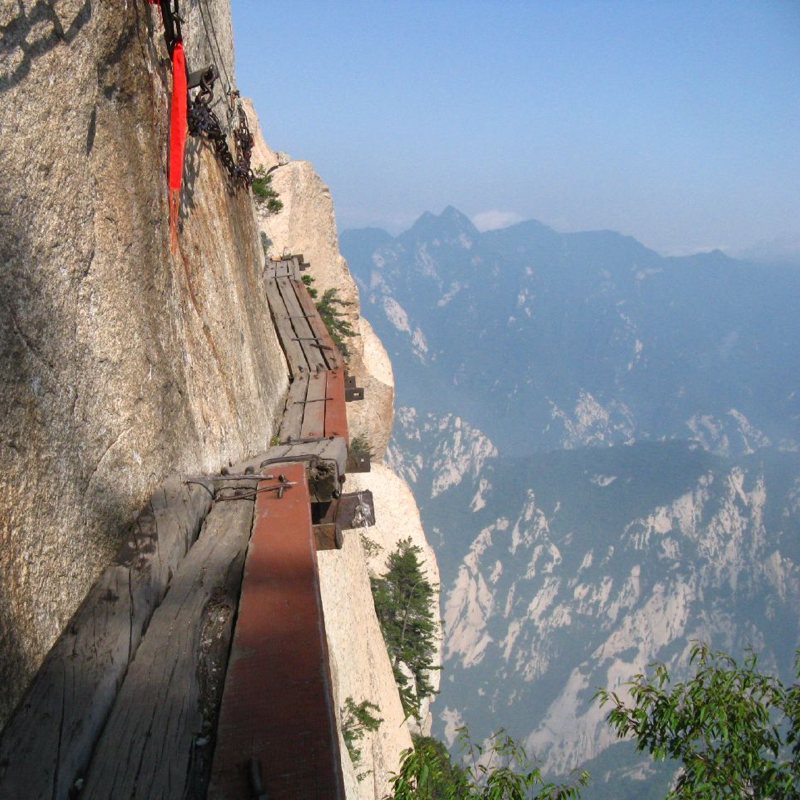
(120, 360)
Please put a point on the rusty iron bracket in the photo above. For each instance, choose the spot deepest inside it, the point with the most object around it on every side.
(204, 78)
(247, 476)
(246, 493)
(351, 391)
(356, 510)
(359, 462)
(328, 536)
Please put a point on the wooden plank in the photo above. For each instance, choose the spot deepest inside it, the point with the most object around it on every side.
(47, 743)
(281, 268)
(301, 324)
(295, 357)
(333, 358)
(292, 421)
(277, 708)
(159, 737)
(335, 407)
(313, 426)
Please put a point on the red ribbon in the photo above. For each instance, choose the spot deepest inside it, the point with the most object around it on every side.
(177, 137)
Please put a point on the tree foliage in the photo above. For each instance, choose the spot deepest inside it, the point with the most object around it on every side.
(403, 600)
(357, 720)
(331, 309)
(735, 731)
(501, 770)
(263, 193)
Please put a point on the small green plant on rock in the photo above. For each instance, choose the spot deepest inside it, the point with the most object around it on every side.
(371, 547)
(263, 193)
(358, 719)
(308, 282)
(360, 446)
(330, 308)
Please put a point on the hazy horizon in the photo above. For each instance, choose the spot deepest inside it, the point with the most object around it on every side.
(673, 123)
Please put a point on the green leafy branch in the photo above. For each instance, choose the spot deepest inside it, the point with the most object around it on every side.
(263, 193)
(735, 730)
(498, 770)
(357, 720)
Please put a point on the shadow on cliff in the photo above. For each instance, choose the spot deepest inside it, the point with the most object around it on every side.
(50, 448)
(31, 34)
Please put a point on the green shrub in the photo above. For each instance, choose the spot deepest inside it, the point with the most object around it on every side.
(403, 599)
(500, 770)
(263, 193)
(358, 719)
(330, 309)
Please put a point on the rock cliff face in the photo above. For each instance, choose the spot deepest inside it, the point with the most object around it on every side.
(122, 359)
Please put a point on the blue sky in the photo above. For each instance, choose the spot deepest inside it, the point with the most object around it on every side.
(675, 122)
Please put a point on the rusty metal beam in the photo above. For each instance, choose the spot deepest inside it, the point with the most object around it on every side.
(335, 408)
(277, 723)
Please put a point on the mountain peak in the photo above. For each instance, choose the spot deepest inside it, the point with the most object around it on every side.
(451, 222)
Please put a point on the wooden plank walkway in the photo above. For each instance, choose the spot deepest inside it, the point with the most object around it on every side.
(126, 703)
(159, 737)
(312, 409)
(47, 743)
(277, 719)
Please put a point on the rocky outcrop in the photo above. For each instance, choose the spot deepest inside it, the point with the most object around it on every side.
(120, 361)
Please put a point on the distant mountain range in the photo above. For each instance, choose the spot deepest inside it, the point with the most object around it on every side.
(604, 446)
(546, 340)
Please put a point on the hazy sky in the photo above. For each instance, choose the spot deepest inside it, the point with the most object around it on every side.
(675, 122)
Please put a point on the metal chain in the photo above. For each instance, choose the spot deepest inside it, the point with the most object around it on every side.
(204, 122)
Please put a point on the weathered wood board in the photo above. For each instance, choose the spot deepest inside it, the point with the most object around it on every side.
(48, 741)
(159, 736)
(277, 709)
(295, 357)
(300, 320)
(292, 422)
(313, 426)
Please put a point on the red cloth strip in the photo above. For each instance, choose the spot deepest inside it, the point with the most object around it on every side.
(178, 124)
(177, 135)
